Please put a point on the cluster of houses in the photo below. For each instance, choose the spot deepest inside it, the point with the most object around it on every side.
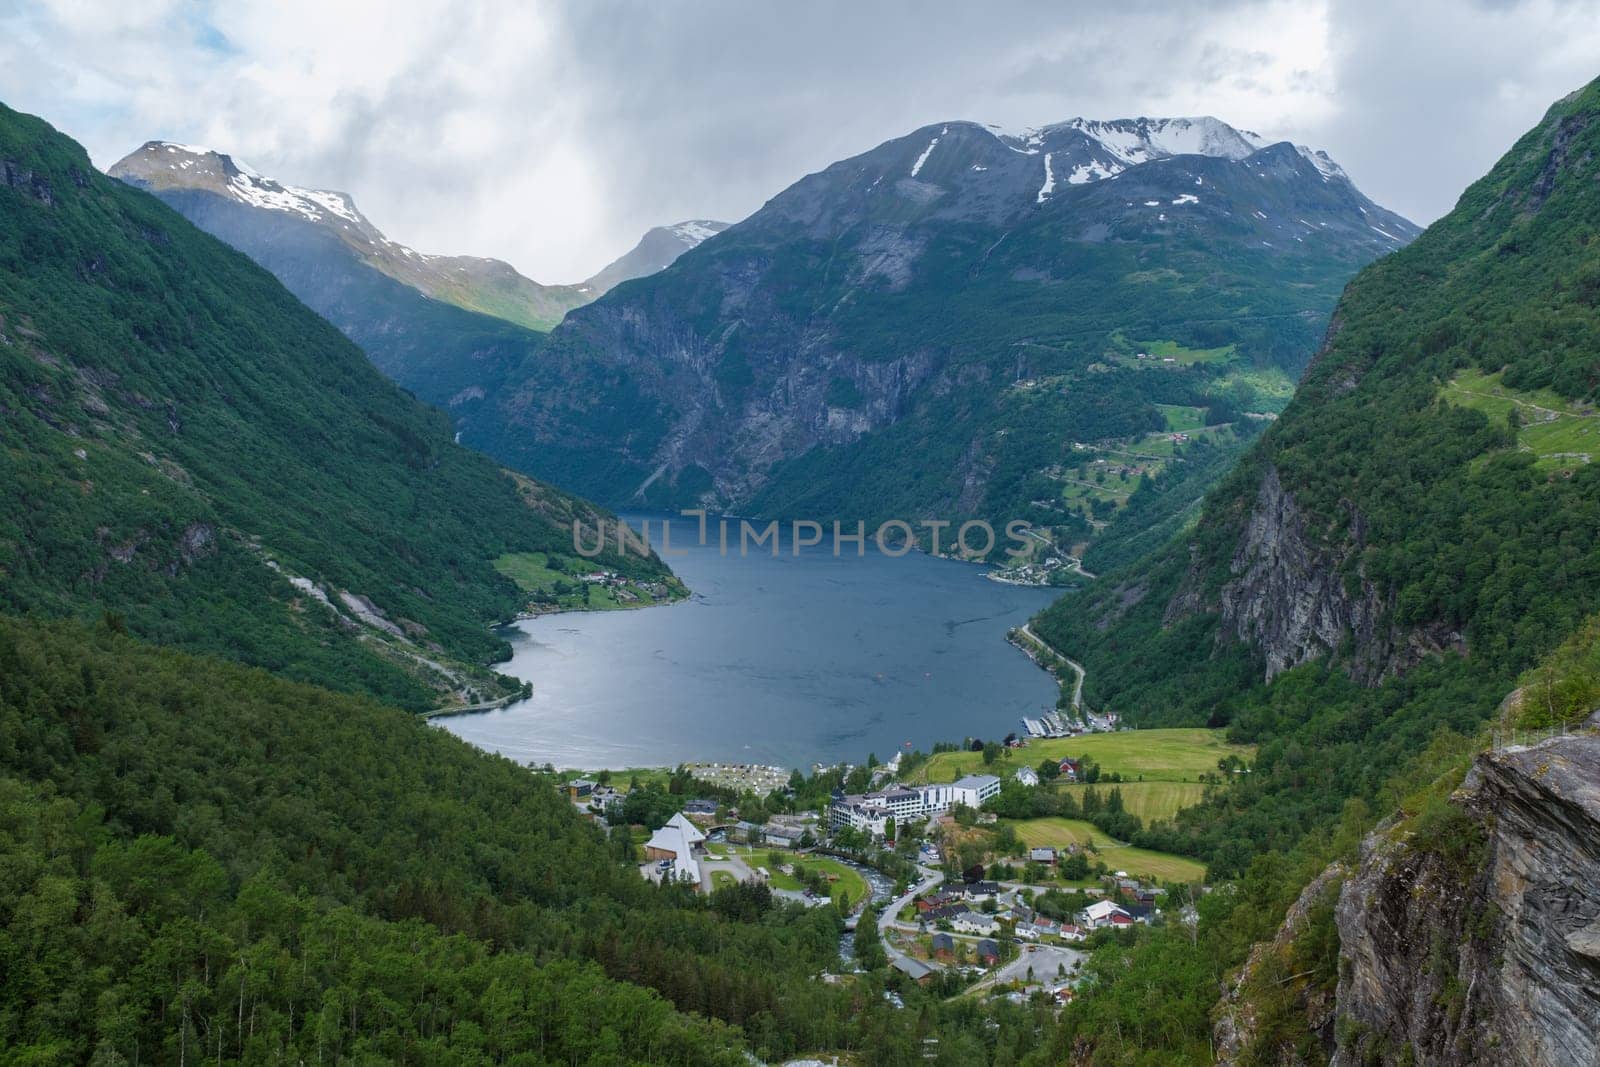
(953, 905)
(622, 588)
(1130, 902)
(871, 812)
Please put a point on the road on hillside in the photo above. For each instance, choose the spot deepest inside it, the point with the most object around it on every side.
(1077, 668)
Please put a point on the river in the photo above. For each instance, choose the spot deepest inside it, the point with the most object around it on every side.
(789, 661)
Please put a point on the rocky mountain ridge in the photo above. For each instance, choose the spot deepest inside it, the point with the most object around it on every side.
(446, 327)
(916, 297)
(487, 286)
(657, 250)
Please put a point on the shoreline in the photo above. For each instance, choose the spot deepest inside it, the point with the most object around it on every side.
(583, 763)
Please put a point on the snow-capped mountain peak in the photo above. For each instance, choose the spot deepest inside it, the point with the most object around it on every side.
(1140, 140)
(694, 231)
(165, 164)
(1323, 162)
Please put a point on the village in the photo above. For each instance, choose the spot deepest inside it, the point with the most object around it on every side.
(957, 896)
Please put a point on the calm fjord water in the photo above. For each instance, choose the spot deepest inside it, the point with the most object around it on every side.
(790, 661)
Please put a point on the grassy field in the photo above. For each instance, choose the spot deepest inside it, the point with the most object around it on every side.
(1181, 417)
(1151, 801)
(534, 575)
(1562, 434)
(1178, 755)
(1138, 862)
(848, 891)
(1188, 356)
(1059, 833)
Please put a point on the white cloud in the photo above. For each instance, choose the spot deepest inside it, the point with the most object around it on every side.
(553, 135)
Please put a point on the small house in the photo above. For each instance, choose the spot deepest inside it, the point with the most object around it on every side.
(944, 946)
(988, 952)
(914, 969)
(1042, 855)
(973, 922)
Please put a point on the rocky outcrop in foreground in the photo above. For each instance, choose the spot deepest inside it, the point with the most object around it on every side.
(1483, 943)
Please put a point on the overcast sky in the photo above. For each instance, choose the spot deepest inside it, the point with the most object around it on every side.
(552, 135)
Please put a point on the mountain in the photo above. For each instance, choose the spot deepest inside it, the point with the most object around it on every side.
(191, 448)
(486, 286)
(446, 328)
(1391, 596)
(959, 322)
(657, 250)
(1429, 490)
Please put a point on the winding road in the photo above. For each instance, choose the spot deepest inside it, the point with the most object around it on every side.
(886, 918)
(1077, 668)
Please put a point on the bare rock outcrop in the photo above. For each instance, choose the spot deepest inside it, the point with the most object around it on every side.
(1482, 945)
(1295, 594)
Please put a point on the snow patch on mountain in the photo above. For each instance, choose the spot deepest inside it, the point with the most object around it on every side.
(694, 231)
(916, 168)
(243, 183)
(1324, 164)
(1095, 171)
(1049, 185)
(1141, 140)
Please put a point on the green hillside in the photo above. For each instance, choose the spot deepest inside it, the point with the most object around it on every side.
(1438, 448)
(188, 446)
(202, 862)
(1435, 467)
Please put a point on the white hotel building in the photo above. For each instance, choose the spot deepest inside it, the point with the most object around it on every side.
(870, 811)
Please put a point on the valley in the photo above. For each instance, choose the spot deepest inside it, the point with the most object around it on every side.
(332, 727)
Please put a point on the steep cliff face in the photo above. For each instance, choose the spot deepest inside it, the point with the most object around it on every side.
(1295, 594)
(1483, 946)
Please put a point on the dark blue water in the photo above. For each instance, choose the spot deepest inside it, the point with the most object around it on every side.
(788, 661)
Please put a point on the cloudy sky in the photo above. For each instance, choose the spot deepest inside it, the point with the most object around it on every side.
(553, 134)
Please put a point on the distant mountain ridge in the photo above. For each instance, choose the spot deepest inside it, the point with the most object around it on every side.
(931, 326)
(487, 286)
(445, 327)
(657, 250)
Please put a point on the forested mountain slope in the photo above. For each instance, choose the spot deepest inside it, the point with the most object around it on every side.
(1429, 490)
(1389, 561)
(959, 322)
(204, 863)
(187, 445)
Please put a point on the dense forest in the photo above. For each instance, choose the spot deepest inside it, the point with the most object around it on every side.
(183, 439)
(201, 860)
